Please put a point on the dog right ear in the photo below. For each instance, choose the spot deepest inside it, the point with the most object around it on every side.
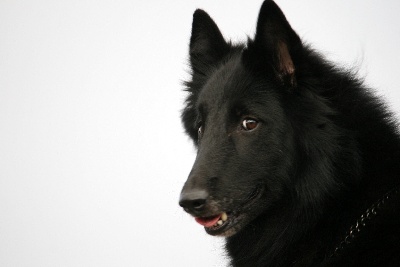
(207, 45)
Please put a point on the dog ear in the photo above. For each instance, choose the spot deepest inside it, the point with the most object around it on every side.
(207, 45)
(276, 43)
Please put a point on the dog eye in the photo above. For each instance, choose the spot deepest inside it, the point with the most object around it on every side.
(200, 130)
(249, 124)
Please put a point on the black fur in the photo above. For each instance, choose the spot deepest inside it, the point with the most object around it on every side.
(324, 149)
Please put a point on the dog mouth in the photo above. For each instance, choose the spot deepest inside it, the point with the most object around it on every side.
(220, 224)
(215, 224)
(224, 224)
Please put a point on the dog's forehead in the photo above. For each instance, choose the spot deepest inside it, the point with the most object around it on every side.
(225, 84)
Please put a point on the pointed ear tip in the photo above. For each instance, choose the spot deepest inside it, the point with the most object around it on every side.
(200, 17)
(198, 13)
(268, 2)
(269, 5)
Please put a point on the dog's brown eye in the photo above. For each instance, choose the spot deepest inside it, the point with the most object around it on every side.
(200, 130)
(249, 124)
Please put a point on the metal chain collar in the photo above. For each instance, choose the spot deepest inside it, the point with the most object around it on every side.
(368, 215)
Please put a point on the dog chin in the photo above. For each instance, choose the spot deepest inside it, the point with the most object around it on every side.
(230, 232)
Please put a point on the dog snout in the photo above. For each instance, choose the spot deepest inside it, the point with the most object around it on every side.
(193, 201)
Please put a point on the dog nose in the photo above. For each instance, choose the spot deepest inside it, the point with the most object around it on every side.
(193, 201)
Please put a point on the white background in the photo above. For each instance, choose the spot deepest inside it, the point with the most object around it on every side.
(92, 152)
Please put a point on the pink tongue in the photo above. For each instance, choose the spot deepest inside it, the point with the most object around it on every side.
(207, 221)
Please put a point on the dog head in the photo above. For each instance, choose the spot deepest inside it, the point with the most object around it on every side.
(246, 112)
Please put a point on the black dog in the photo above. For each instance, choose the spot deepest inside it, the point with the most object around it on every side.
(298, 164)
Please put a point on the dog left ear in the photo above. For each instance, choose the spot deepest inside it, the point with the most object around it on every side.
(277, 42)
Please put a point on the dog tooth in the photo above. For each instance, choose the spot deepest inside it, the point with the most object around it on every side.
(219, 222)
(224, 216)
